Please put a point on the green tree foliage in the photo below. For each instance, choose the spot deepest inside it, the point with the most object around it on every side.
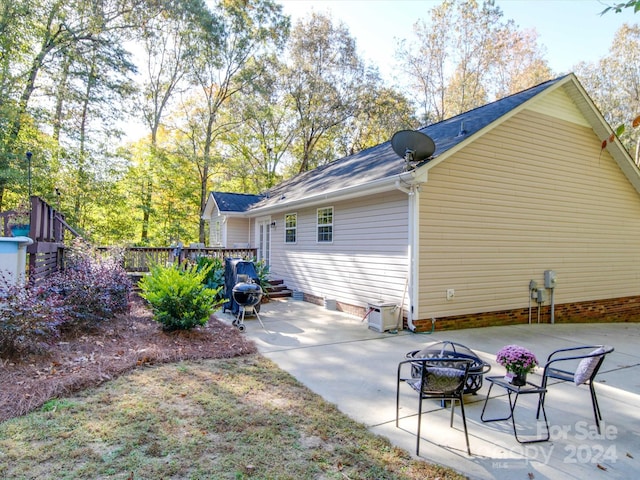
(466, 56)
(170, 42)
(224, 66)
(232, 98)
(384, 111)
(260, 143)
(324, 79)
(62, 53)
(613, 82)
(618, 7)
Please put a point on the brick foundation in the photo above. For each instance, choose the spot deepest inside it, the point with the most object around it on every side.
(613, 310)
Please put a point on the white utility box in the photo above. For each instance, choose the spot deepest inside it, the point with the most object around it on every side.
(383, 317)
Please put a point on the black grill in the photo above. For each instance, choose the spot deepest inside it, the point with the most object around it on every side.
(247, 294)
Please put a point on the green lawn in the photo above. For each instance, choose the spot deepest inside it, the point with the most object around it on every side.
(216, 419)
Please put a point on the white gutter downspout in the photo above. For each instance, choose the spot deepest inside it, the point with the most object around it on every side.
(412, 254)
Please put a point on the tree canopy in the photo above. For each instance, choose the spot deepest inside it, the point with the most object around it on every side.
(231, 96)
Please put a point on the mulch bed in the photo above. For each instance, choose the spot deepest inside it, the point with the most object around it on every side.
(116, 346)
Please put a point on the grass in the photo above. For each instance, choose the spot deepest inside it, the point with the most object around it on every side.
(240, 418)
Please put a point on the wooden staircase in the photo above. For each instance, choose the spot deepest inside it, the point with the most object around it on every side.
(277, 289)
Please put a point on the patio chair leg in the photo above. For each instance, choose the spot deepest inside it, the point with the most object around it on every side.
(419, 423)
(542, 396)
(464, 423)
(596, 407)
(453, 406)
(397, 399)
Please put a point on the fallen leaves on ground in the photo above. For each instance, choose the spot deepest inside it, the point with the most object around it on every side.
(114, 347)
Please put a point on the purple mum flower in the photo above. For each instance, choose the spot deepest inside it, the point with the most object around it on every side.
(516, 359)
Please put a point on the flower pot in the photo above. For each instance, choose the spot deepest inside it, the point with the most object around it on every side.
(516, 379)
(20, 230)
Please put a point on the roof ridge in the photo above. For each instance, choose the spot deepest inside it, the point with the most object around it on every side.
(498, 100)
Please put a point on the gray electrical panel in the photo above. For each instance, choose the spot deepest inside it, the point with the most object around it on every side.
(550, 279)
(542, 296)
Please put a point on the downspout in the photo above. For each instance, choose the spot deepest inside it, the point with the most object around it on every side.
(412, 270)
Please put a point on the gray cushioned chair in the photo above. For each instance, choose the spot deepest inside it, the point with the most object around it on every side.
(590, 358)
(435, 378)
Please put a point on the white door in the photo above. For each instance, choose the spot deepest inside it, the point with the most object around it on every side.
(263, 240)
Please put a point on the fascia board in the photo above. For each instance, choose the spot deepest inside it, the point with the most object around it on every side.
(370, 188)
(208, 207)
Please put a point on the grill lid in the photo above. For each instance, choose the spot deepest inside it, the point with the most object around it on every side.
(247, 294)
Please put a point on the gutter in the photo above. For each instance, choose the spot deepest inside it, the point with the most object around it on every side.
(370, 188)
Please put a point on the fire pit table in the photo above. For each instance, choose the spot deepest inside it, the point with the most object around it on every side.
(447, 349)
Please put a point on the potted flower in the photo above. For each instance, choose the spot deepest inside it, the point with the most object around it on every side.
(518, 362)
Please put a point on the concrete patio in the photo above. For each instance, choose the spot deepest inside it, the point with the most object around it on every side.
(337, 356)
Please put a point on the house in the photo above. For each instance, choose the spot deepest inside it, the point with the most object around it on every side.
(519, 215)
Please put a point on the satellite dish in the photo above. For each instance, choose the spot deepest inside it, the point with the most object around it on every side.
(412, 145)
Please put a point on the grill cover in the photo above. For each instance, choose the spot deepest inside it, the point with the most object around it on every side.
(234, 270)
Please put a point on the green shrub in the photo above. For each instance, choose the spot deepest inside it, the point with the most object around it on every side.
(178, 296)
(262, 269)
(215, 276)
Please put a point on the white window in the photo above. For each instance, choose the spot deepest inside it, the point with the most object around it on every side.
(325, 224)
(290, 227)
(216, 233)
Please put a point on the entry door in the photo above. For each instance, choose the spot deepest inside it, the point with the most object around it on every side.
(263, 240)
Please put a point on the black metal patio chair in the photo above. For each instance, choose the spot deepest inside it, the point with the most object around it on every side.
(590, 359)
(435, 378)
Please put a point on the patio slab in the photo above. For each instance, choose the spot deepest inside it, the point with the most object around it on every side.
(337, 356)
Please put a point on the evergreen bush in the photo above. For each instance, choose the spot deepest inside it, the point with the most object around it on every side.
(179, 297)
(262, 270)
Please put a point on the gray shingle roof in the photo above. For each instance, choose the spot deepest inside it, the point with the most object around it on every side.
(235, 202)
(379, 162)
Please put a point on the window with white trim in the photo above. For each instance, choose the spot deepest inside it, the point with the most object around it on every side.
(216, 233)
(325, 225)
(290, 228)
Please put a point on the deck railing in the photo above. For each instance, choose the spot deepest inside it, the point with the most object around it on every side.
(140, 259)
(47, 228)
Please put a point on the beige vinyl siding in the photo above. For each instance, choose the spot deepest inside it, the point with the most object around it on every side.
(536, 193)
(367, 260)
(238, 232)
(559, 105)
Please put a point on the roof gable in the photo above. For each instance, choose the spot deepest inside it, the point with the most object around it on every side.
(234, 202)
